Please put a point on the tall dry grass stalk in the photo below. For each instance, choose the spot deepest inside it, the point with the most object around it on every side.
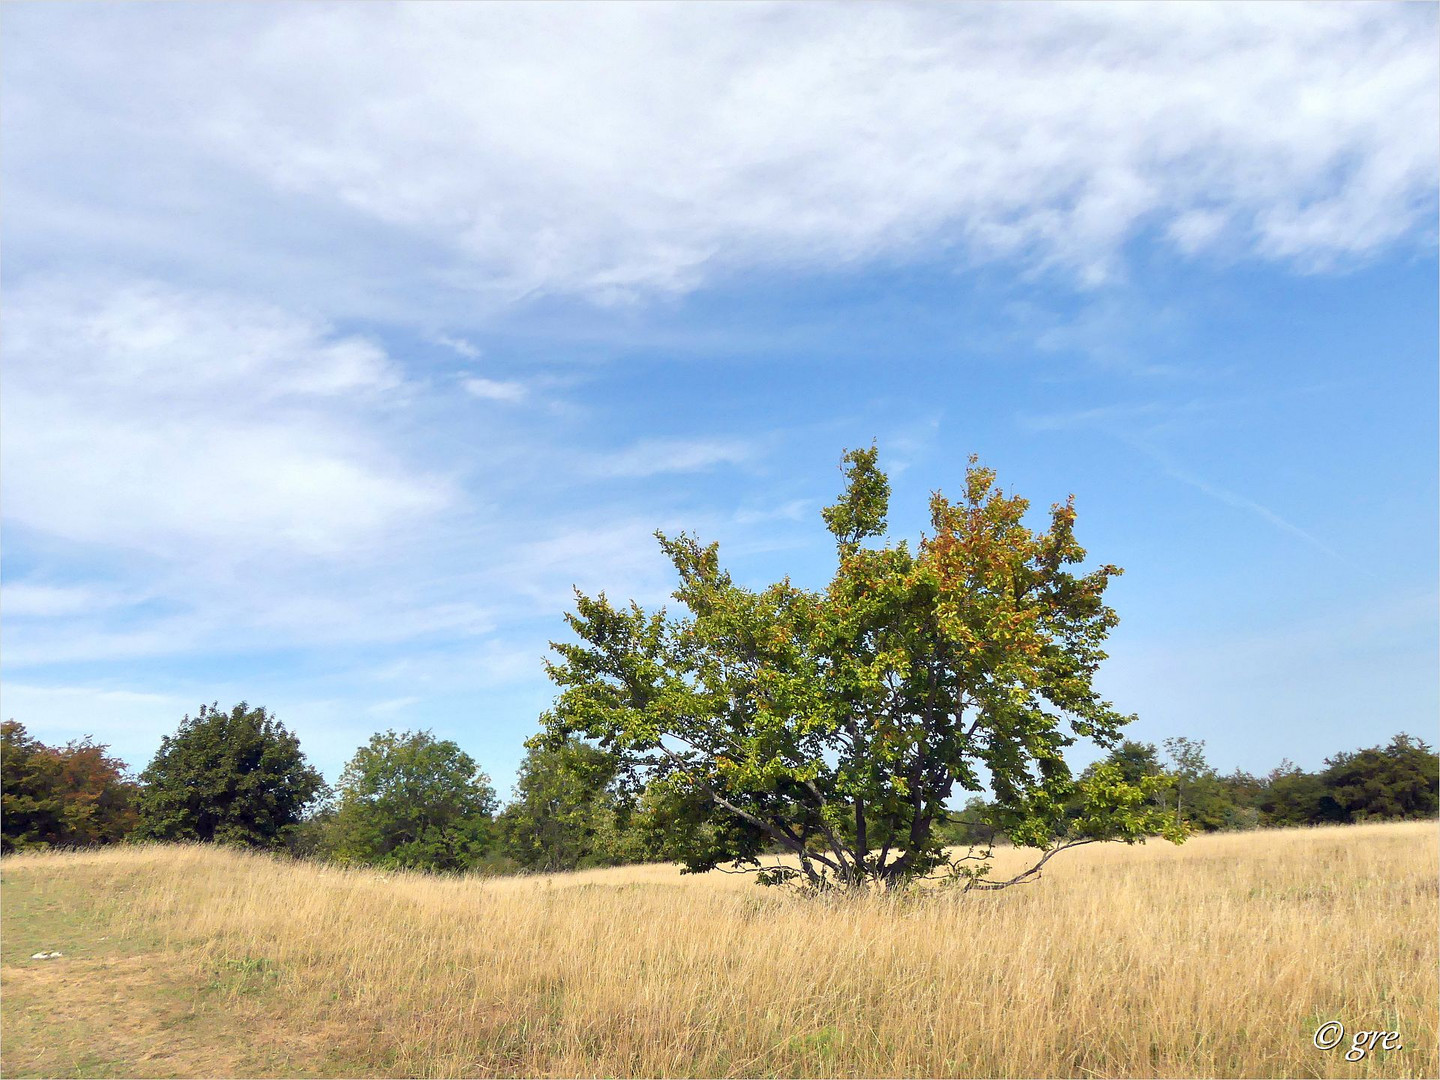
(1218, 958)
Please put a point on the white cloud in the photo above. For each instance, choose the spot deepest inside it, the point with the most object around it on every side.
(226, 477)
(617, 150)
(394, 705)
(242, 610)
(495, 389)
(29, 600)
(458, 345)
(181, 346)
(168, 420)
(622, 559)
(652, 457)
(128, 721)
(793, 510)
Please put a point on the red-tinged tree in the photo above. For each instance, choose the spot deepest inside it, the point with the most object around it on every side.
(76, 795)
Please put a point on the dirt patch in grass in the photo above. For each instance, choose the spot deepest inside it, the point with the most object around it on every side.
(119, 1004)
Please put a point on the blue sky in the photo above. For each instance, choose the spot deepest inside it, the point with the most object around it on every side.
(341, 341)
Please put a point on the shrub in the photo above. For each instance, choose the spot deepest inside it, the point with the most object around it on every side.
(71, 796)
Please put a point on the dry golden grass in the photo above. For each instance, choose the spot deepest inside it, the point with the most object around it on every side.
(1218, 958)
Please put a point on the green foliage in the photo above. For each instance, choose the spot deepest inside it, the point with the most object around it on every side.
(1240, 794)
(70, 796)
(968, 827)
(1113, 808)
(1383, 783)
(568, 811)
(1389, 783)
(1198, 795)
(234, 778)
(314, 834)
(862, 510)
(1136, 760)
(837, 724)
(411, 801)
(1292, 796)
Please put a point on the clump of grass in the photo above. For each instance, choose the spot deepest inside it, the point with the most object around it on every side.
(1218, 958)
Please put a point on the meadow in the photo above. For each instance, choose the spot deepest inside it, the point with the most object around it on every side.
(1217, 958)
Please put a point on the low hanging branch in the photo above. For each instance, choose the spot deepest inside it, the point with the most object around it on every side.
(837, 725)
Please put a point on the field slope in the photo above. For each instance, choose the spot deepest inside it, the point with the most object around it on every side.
(1219, 958)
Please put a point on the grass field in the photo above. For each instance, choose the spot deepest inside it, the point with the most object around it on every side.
(1218, 958)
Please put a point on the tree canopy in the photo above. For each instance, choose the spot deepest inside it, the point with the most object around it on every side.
(568, 811)
(837, 724)
(75, 795)
(411, 801)
(234, 777)
(1383, 783)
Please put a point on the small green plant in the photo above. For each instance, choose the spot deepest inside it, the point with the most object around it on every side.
(822, 1044)
(245, 974)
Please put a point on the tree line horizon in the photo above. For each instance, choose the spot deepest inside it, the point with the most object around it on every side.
(841, 726)
(564, 812)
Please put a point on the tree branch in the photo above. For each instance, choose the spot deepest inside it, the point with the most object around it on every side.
(784, 837)
(1034, 872)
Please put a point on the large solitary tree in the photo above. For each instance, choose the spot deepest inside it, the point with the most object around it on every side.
(837, 725)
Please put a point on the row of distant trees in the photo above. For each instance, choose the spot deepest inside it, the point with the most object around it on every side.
(404, 800)
(1395, 782)
(410, 800)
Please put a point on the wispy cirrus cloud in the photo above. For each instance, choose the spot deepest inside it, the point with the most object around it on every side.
(1146, 425)
(1242, 502)
(507, 390)
(623, 151)
(654, 457)
(459, 345)
(189, 470)
(147, 416)
(39, 601)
